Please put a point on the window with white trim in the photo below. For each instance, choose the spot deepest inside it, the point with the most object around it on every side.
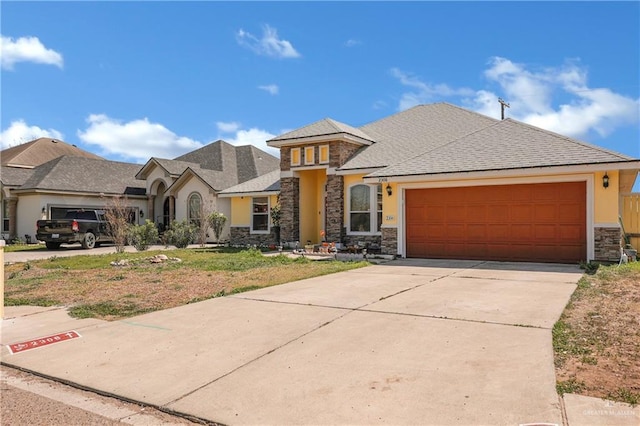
(194, 208)
(309, 155)
(323, 154)
(295, 156)
(365, 209)
(260, 215)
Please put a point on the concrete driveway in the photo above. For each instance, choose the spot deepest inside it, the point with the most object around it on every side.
(406, 342)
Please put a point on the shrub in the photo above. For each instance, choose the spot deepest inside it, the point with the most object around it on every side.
(217, 220)
(142, 236)
(181, 234)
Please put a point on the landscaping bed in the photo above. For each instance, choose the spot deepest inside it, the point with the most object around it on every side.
(91, 287)
(597, 339)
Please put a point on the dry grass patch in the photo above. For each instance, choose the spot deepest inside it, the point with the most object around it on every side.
(597, 339)
(91, 287)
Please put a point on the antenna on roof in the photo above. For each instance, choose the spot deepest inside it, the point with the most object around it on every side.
(503, 104)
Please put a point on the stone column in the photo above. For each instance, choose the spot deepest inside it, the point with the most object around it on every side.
(389, 241)
(607, 244)
(335, 208)
(290, 209)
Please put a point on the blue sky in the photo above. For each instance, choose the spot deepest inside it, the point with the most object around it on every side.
(131, 80)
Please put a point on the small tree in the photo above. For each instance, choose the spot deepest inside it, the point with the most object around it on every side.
(275, 220)
(181, 234)
(202, 224)
(142, 236)
(216, 221)
(117, 216)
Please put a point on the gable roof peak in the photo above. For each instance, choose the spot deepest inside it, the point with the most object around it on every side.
(322, 128)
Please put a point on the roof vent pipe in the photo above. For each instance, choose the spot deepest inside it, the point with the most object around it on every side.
(503, 104)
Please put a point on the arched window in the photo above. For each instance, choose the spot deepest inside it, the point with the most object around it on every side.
(194, 208)
(365, 209)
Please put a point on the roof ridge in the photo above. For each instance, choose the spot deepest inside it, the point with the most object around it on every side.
(569, 139)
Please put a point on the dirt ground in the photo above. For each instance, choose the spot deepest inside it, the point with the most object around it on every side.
(145, 288)
(601, 354)
(26, 399)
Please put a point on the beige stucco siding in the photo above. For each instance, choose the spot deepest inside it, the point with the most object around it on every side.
(606, 200)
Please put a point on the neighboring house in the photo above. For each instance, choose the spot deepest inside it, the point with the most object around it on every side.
(439, 181)
(44, 178)
(187, 187)
(31, 154)
(67, 182)
(251, 203)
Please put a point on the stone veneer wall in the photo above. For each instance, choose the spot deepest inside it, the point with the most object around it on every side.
(390, 241)
(335, 208)
(242, 236)
(340, 152)
(290, 209)
(351, 240)
(607, 244)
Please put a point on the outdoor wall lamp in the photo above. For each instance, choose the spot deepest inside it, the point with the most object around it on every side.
(605, 180)
(389, 190)
(141, 213)
(44, 210)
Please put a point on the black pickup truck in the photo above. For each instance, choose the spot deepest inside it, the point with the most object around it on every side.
(87, 227)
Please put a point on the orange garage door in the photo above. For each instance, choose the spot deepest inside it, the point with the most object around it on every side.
(533, 222)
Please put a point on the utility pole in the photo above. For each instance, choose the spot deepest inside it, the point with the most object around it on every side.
(503, 104)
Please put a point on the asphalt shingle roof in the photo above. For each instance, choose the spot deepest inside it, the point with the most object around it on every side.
(265, 183)
(40, 151)
(420, 129)
(234, 164)
(13, 176)
(78, 174)
(507, 144)
(323, 127)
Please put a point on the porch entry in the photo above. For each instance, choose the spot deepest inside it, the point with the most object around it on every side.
(313, 199)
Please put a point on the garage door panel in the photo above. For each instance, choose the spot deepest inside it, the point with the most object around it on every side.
(456, 231)
(521, 213)
(456, 213)
(498, 213)
(546, 233)
(522, 232)
(545, 213)
(476, 232)
(570, 213)
(571, 232)
(530, 222)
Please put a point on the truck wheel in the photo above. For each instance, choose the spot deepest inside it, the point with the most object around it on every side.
(52, 246)
(89, 241)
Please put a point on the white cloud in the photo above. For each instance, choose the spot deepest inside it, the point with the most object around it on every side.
(135, 140)
(253, 136)
(553, 98)
(20, 132)
(351, 43)
(423, 92)
(530, 94)
(270, 88)
(268, 45)
(27, 49)
(228, 126)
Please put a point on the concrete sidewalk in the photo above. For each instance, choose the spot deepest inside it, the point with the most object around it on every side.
(406, 342)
